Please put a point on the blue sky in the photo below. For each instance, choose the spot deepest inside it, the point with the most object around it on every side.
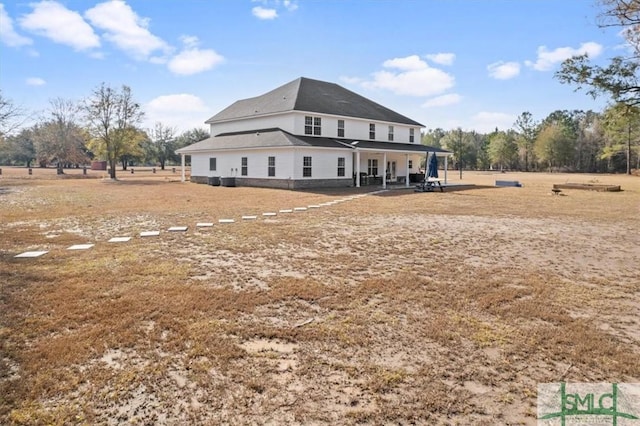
(474, 64)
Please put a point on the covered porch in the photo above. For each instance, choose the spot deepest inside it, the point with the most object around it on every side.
(393, 164)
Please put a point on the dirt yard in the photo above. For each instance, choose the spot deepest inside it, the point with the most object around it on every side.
(393, 308)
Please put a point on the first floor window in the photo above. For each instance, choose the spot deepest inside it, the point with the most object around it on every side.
(411, 135)
(271, 168)
(212, 164)
(410, 164)
(372, 168)
(245, 166)
(341, 128)
(372, 131)
(390, 133)
(340, 166)
(306, 167)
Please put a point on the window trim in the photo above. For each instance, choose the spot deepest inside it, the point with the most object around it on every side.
(244, 166)
(312, 125)
(307, 169)
(341, 166)
(341, 128)
(271, 168)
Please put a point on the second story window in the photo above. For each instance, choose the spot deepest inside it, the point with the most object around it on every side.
(372, 131)
(312, 125)
(411, 135)
(390, 133)
(341, 128)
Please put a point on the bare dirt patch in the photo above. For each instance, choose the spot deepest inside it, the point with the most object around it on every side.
(400, 307)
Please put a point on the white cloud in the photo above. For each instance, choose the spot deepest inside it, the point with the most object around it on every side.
(7, 34)
(444, 100)
(193, 61)
(290, 5)
(547, 59)
(442, 58)
(409, 63)
(124, 28)
(503, 70)
(487, 122)
(415, 78)
(262, 13)
(61, 25)
(183, 111)
(35, 81)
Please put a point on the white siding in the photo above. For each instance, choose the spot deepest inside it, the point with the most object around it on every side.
(282, 121)
(229, 163)
(355, 128)
(324, 163)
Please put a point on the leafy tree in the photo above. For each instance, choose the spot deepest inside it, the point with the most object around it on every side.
(619, 79)
(554, 145)
(113, 115)
(19, 148)
(60, 139)
(622, 132)
(163, 144)
(433, 137)
(527, 129)
(502, 149)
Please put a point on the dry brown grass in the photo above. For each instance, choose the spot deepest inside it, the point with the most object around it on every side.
(403, 308)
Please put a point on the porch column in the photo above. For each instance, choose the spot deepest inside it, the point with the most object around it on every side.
(406, 168)
(357, 169)
(182, 178)
(446, 161)
(384, 171)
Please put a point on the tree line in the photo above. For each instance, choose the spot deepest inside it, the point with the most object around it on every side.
(569, 141)
(106, 126)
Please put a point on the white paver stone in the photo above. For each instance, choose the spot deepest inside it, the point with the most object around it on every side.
(178, 229)
(32, 254)
(120, 239)
(150, 233)
(204, 224)
(226, 221)
(80, 247)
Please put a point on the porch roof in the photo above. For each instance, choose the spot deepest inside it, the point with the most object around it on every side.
(278, 138)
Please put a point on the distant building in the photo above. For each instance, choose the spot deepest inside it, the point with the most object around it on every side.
(309, 134)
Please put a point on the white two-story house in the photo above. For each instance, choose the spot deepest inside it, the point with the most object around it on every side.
(309, 134)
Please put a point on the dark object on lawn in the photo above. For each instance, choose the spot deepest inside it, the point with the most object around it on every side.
(588, 186)
(508, 183)
(556, 191)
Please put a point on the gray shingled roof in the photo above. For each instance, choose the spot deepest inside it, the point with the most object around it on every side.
(305, 94)
(269, 138)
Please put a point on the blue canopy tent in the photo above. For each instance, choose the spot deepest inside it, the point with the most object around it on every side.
(431, 178)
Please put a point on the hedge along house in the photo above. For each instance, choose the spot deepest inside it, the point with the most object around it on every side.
(309, 134)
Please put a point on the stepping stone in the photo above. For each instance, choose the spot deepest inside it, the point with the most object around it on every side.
(300, 209)
(226, 221)
(314, 206)
(204, 224)
(120, 239)
(80, 247)
(286, 211)
(269, 214)
(178, 229)
(249, 217)
(31, 254)
(150, 233)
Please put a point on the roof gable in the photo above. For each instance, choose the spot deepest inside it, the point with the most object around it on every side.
(307, 95)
